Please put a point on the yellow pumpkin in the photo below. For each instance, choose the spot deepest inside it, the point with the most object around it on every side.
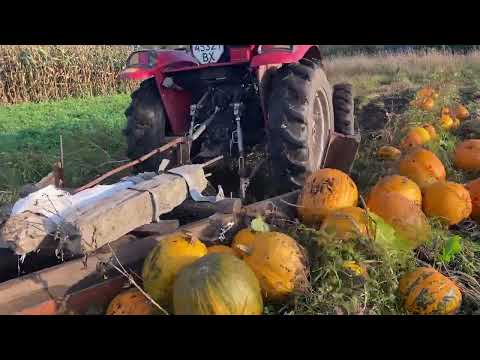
(425, 291)
(461, 112)
(473, 188)
(221, 249)
(399, 184)
(244, 237)
(447, 122)
(324, 191)
(165, 261)
(445, 111)
(280, 265)
(431, 131)
(448, 201)
(467, 155)
(423, 167)
(217, 284)
(389, 153)
(355, 268)
(130, 302)
(424, 134)
(403, 215)
(347, 223)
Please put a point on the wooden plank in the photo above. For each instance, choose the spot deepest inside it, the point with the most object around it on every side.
(56, 282)
(162, 227)
(93, 225)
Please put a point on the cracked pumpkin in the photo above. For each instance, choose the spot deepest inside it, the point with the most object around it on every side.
(324, 191)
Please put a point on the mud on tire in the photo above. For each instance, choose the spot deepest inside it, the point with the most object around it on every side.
(300, 116)
(146, 122)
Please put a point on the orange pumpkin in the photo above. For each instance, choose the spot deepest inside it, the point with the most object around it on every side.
(403, 215)
(426, 92)
(221, 249)
(389, 153)
(425, 291)
(467, 155)
(431, 131)
(280, 264)
(473, 188)
(423, 167)
(448, 201)
(130, 302)
(348, 223)
(401, 185)
(244, 237)
(411, 141)
(461, 112)
(427, 104)
(324, 191)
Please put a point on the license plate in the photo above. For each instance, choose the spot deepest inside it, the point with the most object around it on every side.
(207, 54)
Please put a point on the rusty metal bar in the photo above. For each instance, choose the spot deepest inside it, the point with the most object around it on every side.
(132, 163)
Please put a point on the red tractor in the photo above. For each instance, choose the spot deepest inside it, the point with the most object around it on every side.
(230, 99)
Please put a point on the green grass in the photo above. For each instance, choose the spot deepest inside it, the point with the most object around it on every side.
(91, 130)
(30, 139)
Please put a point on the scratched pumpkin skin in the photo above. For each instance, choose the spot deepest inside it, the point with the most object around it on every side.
(324, 191)
(425, 291)
(423, 167)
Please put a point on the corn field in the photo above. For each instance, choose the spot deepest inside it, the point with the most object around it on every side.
(40, 73)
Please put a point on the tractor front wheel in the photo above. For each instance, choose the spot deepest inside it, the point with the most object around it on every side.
(300, 118)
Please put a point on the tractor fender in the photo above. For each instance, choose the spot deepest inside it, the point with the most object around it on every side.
(164, 59)
(285, 56)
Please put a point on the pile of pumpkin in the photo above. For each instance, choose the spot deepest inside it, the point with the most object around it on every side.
(183, 276)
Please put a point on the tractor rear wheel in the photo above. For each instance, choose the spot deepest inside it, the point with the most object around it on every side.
(146, 121)
(343, 109)
(300, 117)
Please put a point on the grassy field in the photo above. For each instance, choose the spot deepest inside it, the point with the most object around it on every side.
(91, 126)
(384, 85)
(30, 140)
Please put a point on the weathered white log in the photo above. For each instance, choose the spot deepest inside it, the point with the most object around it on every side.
(88, 225)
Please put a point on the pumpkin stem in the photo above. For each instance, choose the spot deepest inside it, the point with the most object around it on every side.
(244, 249)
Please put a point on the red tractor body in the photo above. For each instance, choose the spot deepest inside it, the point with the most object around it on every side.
(145, 64)
(231, 100)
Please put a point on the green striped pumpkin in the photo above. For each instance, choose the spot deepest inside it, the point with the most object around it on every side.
(217, 284)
